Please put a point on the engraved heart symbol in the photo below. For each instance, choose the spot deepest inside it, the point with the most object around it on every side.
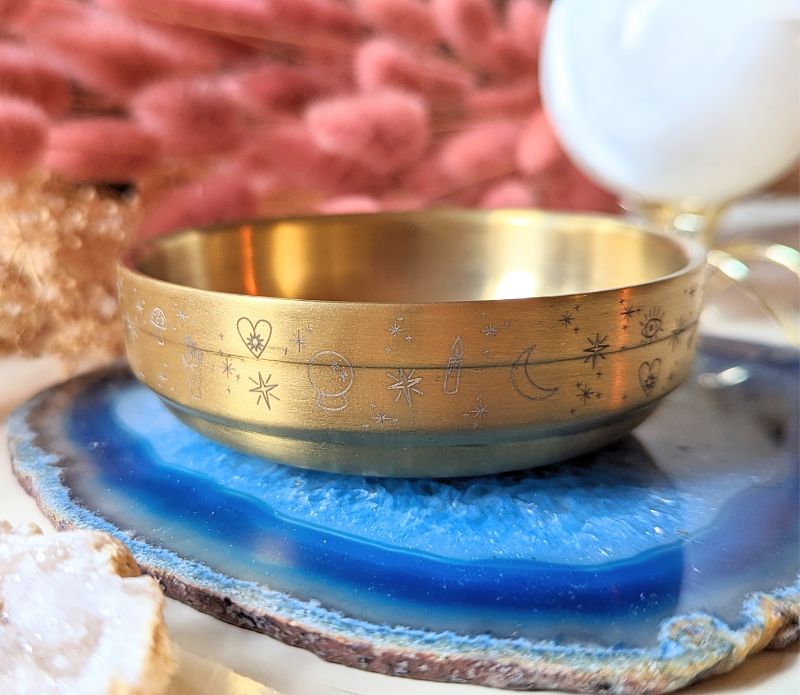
(648, 375)
(255, 336)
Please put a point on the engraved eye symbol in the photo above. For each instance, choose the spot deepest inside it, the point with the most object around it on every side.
(651, 326)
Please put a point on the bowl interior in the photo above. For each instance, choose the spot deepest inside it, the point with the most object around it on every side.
(433, 256)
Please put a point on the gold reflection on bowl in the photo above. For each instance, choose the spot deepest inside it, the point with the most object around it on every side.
(426, 344)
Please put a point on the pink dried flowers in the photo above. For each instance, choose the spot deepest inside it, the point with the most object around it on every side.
(217, 109)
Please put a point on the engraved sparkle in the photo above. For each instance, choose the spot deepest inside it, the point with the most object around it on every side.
(299, 341)
(596, 350)
(677, 332)
(264, 390)
(490, 331)
(130, 328)
(341, 372)
(566, 319)
(181, 315)
(585, 392)
(227, 367)
(477, 412)
(627, 313)
(405, 383)
(382, 418)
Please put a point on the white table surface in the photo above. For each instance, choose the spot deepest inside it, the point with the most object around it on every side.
(218, 659)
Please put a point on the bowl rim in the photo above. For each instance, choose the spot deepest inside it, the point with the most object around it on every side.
(694, 255)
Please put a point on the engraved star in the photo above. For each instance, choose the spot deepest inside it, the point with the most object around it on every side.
(596, 349)
(181, 315)
(299, 341)
(490, 331)
(339, 371)
(566, 319)
(627, 313)
(395, 329)
(585, 392)
(477, 412)
(405, 384)
(382, 418)
(677, 332)
(264, 390)
(227, 367)
(139, 306)
(130, 328)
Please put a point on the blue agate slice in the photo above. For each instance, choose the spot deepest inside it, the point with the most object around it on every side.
(690, 516)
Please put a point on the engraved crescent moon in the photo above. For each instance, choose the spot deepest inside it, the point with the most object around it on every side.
(522, 382)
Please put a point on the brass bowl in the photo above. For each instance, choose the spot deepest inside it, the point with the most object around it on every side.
(424, 344)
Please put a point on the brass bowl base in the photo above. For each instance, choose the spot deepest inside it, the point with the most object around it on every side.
(440, 456)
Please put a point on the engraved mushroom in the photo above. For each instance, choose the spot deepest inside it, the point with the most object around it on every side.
(159, 321)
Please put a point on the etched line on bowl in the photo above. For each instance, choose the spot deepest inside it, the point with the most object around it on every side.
(690, 328)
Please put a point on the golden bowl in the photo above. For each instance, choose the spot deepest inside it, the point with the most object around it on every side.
(425, 344)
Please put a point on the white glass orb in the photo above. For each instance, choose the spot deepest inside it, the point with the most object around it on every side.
(675, 99)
